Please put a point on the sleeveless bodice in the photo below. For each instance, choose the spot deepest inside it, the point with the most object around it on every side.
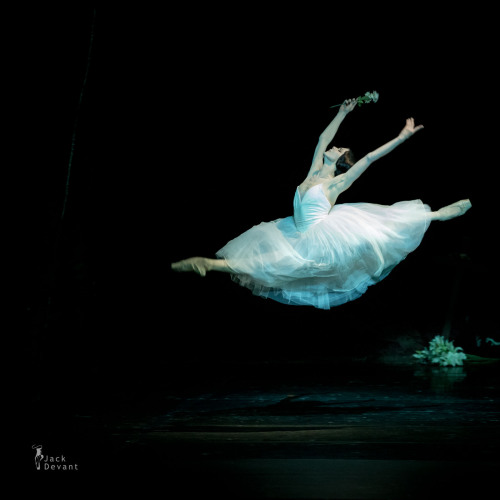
(310, 209)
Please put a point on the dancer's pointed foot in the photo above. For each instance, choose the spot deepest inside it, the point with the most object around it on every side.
(198, 265)
(454, 210)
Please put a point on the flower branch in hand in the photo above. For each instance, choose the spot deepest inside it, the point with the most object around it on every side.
(365, 99)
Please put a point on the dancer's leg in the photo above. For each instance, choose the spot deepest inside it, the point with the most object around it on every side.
(201, 265)
(451, 211)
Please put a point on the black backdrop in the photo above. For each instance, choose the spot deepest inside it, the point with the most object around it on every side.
(196, 125)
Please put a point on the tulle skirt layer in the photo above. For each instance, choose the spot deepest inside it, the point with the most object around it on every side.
(332, 262)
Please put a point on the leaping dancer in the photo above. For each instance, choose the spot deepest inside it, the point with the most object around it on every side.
(327, 253)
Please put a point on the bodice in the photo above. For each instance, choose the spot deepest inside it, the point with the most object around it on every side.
(310, 209)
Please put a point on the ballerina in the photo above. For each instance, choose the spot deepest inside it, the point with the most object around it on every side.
(327, 253)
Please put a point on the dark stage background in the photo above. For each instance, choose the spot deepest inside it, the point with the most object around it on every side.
(194, 126)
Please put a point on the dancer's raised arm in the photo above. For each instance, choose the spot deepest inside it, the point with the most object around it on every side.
(329, 133)
(344, 181)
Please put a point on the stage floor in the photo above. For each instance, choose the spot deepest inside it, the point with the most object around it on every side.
(291, 430)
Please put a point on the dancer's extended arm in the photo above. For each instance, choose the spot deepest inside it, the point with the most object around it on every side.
(329, 133)
(344, 181)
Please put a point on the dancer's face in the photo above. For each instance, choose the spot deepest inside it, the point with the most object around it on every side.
(335, 153)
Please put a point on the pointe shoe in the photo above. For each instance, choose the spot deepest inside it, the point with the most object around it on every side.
(454, 210)
(195, 264)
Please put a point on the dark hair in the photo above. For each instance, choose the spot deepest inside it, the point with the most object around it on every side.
(345, 162)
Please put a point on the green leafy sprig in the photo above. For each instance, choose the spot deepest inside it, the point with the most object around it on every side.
(365, 99)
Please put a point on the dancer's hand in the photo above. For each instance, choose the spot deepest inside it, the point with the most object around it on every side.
(348, 105)
(409, 129)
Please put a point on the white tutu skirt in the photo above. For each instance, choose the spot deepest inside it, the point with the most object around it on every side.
(333, 261)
